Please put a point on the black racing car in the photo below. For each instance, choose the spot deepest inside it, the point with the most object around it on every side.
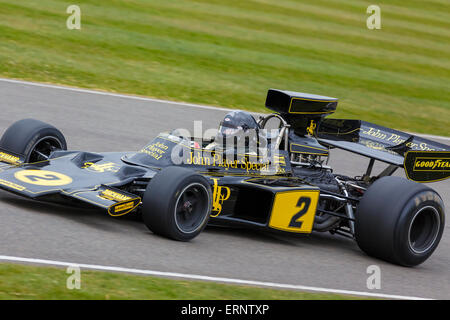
(179, 184)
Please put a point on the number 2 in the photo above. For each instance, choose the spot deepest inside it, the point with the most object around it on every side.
(302, 203)
(48, 177)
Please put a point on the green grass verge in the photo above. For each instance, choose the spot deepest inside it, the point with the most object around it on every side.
(31, 282)
(228, 53)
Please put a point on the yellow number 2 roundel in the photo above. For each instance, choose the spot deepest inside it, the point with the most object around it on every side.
(43, 178)
(294, 211)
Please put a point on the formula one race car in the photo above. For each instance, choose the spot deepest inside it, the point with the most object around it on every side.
(276, 179)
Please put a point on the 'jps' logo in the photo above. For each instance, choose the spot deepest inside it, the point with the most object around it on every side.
(109, 166)
(220, 194)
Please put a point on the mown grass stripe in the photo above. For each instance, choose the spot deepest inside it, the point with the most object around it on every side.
(285, 49)
(330, 31)
(310, 69)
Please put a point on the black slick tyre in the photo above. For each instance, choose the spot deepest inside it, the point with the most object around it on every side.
(32, 139)
(177, 203)
(399, 221)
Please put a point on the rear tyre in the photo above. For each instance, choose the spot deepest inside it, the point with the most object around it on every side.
(177, 203)
(32, 139)
(399, 221)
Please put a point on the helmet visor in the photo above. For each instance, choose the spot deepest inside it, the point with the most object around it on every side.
(227, 129)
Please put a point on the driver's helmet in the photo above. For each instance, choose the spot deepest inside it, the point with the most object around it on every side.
(238, 124)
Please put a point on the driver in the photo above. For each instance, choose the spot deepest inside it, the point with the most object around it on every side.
(238, 129)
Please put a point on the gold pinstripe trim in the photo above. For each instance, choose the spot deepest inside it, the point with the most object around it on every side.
(314, 100)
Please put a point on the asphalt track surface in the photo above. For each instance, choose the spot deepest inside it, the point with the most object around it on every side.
(96, 122)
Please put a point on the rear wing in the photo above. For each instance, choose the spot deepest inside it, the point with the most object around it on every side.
(374, 141)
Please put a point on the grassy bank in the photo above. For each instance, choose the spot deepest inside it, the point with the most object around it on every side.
(31, 282)
(229, 53)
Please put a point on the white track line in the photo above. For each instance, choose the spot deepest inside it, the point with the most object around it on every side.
(126, 96)
(117, 95)
(208, 278)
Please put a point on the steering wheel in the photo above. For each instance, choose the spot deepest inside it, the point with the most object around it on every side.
(283, 130)
(263, 121)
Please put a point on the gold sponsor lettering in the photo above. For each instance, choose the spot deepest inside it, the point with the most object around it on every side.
(199, 160)
(110, 167)
(394, 139)
(376, 133)
(4, 157)
(123, 207)
(217, 160)
(11, 185)
(373, 145)
(429, 164)
(114, 196)
(155, 150)
(424, 147)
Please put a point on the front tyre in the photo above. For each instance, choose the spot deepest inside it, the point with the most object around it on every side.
(177, 203)
(399, 221)
(34, 140)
